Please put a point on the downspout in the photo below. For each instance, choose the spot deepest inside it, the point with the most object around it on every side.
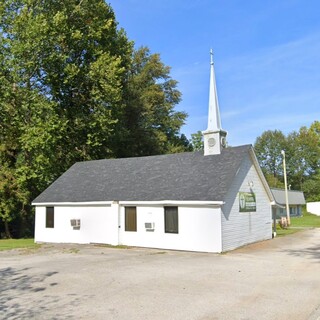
(274, 216)
(119, 224)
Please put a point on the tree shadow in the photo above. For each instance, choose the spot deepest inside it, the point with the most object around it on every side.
(22, 296)
(309, 253)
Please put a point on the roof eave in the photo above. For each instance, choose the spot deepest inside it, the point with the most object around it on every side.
(261, 175)
(160, 202)
(70, 203)
(175, 202)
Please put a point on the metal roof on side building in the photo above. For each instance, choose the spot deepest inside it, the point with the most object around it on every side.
(294, 197)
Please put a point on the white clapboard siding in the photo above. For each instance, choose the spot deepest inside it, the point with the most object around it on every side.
(241, 228)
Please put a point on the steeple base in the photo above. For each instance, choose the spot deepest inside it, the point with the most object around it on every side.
(214, 141)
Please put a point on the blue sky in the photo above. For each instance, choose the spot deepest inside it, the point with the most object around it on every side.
(266, 54)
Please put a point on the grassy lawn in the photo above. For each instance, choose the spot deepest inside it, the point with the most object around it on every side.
(308, 220)
(285, 232)
(8, 244)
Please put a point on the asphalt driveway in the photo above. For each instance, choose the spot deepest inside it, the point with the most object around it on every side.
(275, 279)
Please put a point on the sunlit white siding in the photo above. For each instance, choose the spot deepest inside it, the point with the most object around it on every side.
(240, 228)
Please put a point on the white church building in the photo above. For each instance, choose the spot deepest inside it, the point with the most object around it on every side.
(211, 201)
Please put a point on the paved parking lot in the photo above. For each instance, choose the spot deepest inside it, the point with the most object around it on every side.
(276, 279)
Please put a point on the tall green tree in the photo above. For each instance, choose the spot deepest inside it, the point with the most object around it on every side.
(28, 130)
(72, 88)
(73, 53)
(148, 123)
(302, 158)
(62, 68)
(303, 155)
(268, 150)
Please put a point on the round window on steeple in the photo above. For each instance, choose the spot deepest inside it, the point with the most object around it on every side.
(211, 142)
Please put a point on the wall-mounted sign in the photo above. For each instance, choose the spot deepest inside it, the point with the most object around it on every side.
(247, 202)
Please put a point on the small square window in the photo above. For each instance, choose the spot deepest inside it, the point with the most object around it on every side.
(171, 220)
(49, 217)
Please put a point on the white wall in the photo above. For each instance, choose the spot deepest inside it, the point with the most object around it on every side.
(240, 228)
(99, 224)
(199, 229)
(314, 207)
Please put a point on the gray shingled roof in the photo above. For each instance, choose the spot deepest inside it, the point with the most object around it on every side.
(294, 197)
(181, 176)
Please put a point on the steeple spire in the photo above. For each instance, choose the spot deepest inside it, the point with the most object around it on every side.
(214, 137)
(214, 122)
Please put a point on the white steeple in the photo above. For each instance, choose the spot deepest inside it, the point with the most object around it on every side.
(214, 122)
(214, 137)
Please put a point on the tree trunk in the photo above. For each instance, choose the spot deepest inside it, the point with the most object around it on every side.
(6, 230)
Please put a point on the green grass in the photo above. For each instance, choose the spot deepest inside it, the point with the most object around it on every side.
(307, 220)
(285, 232)
(9, 244)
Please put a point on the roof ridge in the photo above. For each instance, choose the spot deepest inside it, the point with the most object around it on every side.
(164, 155)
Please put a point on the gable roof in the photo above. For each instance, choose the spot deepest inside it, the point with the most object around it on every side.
(294, 197)
(186, 176)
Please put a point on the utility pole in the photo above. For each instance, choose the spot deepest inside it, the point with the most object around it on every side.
(286, 186)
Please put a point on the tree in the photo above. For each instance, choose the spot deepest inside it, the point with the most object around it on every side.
(72, 52)
(148, 123)
(302, 158)
(268, 150)
(303, 155)
(29, 130)
(197, 141)
(311, 187)
(73, 88)
(62, 66)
